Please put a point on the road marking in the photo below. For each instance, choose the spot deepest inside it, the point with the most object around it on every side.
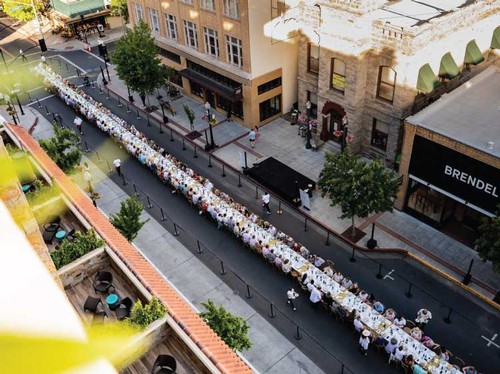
(388, 275)
(490, 341)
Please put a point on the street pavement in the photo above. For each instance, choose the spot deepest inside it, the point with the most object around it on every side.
(472, 323)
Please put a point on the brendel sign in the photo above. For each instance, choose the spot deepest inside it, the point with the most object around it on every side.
(460, 175)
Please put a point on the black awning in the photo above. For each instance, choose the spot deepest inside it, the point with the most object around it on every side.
(231, 94)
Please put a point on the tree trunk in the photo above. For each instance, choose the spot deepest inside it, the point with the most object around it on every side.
(353, 233)
(143, 98)
(192, 126)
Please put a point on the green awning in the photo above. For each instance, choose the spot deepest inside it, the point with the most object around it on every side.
(473, 54)
(427, 80)
(448, 68)
(495, 41)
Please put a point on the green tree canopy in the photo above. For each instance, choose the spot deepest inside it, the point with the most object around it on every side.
(358, 187)
(233, 330)
(127, 220)
(137, 62)
(119, 8)
(488, 242)
(62, 148)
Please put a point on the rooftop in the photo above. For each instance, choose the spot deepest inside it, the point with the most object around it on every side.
(470, 114)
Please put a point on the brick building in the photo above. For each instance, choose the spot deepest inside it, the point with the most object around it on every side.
(377, 62)
(450, 163)
(222, 54)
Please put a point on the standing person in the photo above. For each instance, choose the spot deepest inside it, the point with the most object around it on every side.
(265, 202)
(118, 164)
(251, 138)
(87, 176)
(291, 295)
(423, 318)
(78, 123)
(364, 342)
(23, 57)
(256, 129)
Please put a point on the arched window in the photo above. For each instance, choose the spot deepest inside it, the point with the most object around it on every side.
(337, 79)
(386, 83)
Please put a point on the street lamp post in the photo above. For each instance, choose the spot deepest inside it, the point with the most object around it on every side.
(12, 111)
(211, 145)
(308, 131)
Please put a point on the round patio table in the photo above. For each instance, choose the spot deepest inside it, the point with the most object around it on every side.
(60, 235)
(113, 301)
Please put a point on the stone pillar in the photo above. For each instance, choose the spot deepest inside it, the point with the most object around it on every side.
(409, 136)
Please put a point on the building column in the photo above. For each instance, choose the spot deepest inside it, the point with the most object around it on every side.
(409, 136)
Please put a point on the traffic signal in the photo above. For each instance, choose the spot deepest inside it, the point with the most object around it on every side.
(43, 46)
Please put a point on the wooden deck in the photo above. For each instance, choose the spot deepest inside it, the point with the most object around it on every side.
(78, 294)
(68, 223)
(145, 363)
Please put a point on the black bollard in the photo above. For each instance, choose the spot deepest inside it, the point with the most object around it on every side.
(327, 243)
(353, 259)
(109, 167)
(128, 108)
(408, 293)
(210, 161)
(67, 67)
(305, 225)
(176, 233)
(256, 192)
(108, 97)
(223, 170)
(47, 111)
(119, 102)
(279, 211)
(161, 128)
(77, 72)
(98, 158)
(271, 313)
(137, 112)
(100, 90)
(135, 189)
(87, 149)
(222, 270)
(297, 334)
(379, 274)
(149, 122)
(123, 179)
(29, 97)
(149, 202)
(447, 319)
(171, 135)
(59, 61)
(239, 181)
(39, 105)
(199, 247)
(249, 295)
(183, 145)
(195, 154)
(162, 215)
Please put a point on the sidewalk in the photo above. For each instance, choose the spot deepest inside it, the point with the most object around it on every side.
(271, 352)
(280, 140)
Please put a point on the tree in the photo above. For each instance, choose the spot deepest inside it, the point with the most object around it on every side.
(190, 115)
(119, 8)
(22, 9)
(233, 330)
(359, 188)
(488, 242)
(63, 149)
(137, 62)
(127, 220)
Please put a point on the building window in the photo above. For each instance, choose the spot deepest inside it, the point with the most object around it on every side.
(234, 51)
(170, 55)
(338, 75)
(189, 2)
(171, 23)
(268, 86)
(211, 42)
(208, 5)
(380, 133)
(232, 9)
(155, 20)
(386, 83)
(313, 58)
(270, 108)
(196, 89)
(213, 75)
(191, 34)
(139, 14)
(278, 8)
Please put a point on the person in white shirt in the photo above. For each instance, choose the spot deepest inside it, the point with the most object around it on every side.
(286, 267)
(423, 318)
(118, 164)
(315, 297)
(291, 296)
(310, 286)
(318, 261)
(78, 123)
(265, 202)
(400, 321)
(399, 353)
(328, 271)
(391, 346)
(364, 342)
(358, 325)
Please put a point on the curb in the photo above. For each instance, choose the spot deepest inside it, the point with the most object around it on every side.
(453, 280)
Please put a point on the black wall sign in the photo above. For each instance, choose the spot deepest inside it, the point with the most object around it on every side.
(460, 175)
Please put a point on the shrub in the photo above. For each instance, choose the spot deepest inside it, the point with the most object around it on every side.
(69, 251)
(144, 315)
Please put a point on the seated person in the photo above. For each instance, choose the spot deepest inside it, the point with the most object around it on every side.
(391, 346)
(343, 312)
(328, 271)
(399, 353)
(346, 282)
(390, 314)
(445, 355)
(469, 370)
(354, 288)
(378, 306)
(286, 267)
(318, 261)
(278, 261)
(328, 299)
(337, 277)
(310, 285)
(399, 321)
(363, 295)
(417, 369)
(416, 333)
(428, 342)
(408, 360)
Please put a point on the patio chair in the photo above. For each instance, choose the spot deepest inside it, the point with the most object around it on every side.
(91, 304)
(410, 324)
(164, 364)
(71, 234)
(98, 318)
(103, 281)
(123, 310)
(454, 360)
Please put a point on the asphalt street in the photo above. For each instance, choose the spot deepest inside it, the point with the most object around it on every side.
(465, 336)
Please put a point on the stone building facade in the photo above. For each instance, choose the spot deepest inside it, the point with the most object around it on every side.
(369, 64)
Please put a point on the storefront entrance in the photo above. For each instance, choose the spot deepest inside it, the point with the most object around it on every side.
(332, 122)
(442, 212)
